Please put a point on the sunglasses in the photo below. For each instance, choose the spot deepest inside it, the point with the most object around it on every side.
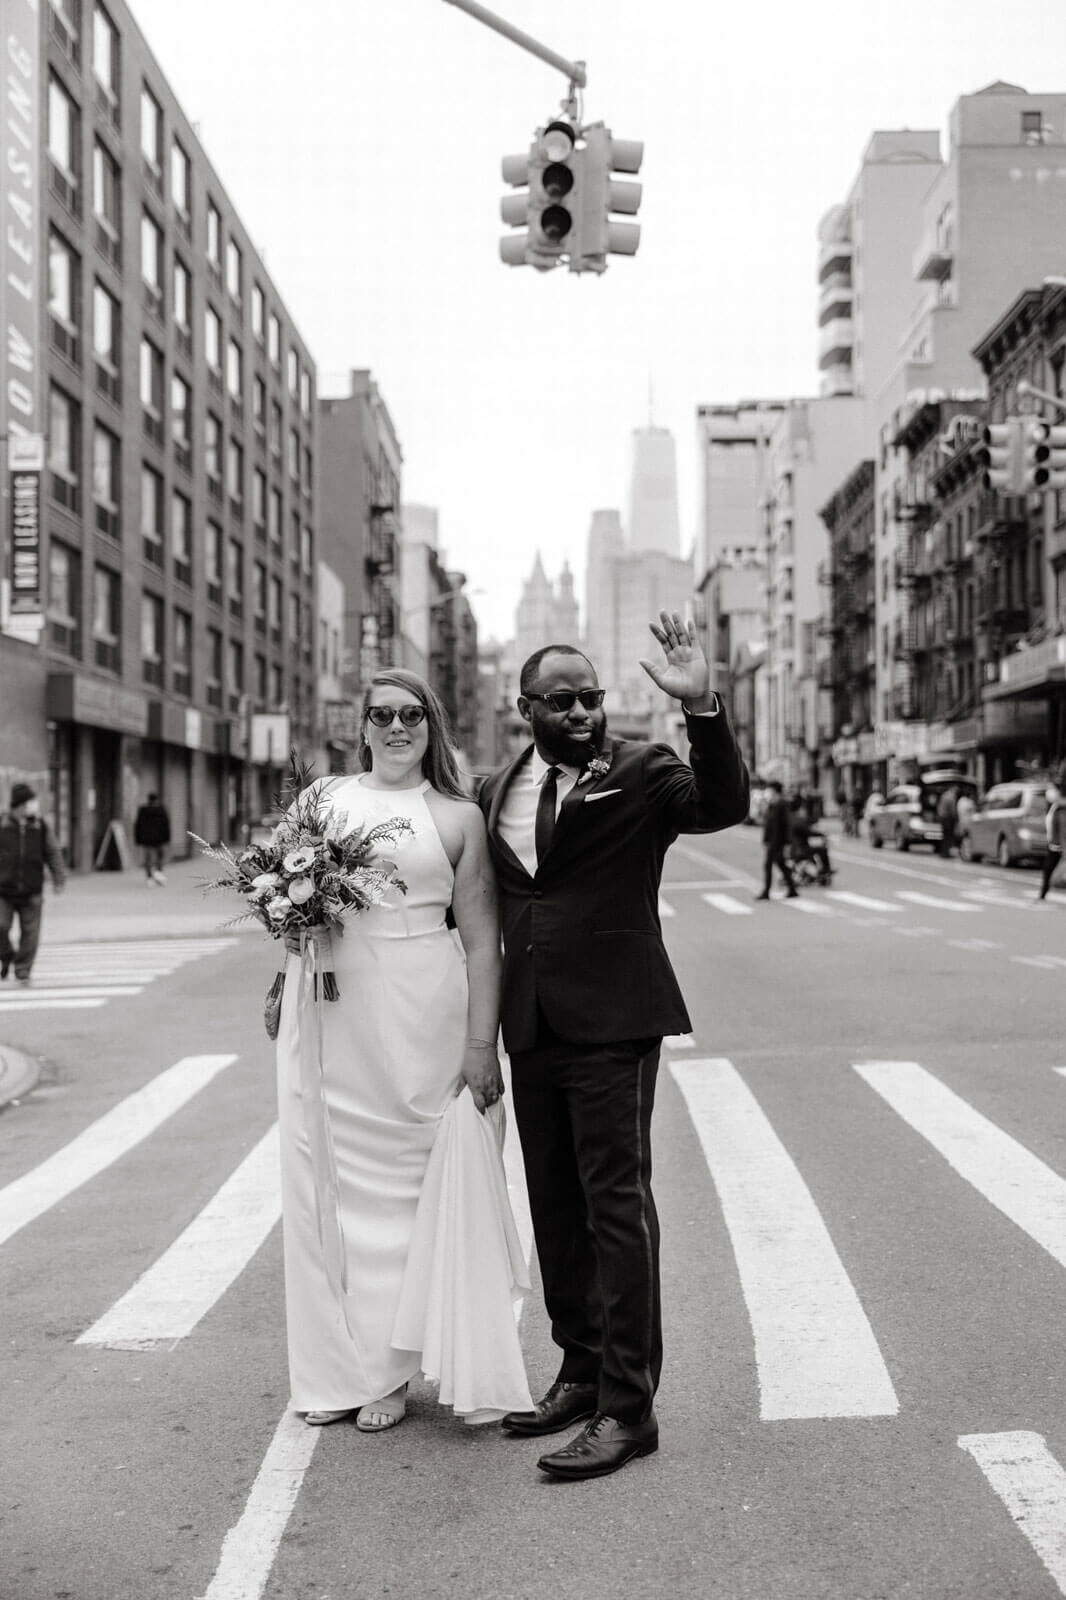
(563, 699)
(384, 716)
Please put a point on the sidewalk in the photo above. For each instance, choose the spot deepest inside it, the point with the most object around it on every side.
(123, 905)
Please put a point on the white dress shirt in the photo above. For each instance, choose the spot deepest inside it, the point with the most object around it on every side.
(518, 814)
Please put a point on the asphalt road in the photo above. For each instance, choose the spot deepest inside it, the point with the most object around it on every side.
(861, 1176)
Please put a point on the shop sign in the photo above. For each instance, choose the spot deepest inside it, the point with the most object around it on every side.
(271, 738)
(25, 464)
(845, 752)
(867, 749)
(1038, 663)
(1015, 719)
(194, 729)
(96, 704)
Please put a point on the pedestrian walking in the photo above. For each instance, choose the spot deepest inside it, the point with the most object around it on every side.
(26, 848)
(776, 837)
(151, 830)
(947, 816)
(1055, 823)
(578, 828)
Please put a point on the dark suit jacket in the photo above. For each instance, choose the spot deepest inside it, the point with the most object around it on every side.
(582, 938)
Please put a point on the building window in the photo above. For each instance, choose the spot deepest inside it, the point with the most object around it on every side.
(107, 479)
(306, 551)
(106, 352)
(274, 437)
(213, 454)
(294, 622)
(181, 537)
(274, 610)
(234, 381)
(1032, 127)
(63, 26)
(213, 339)
(305, 392)
(259, 596)
(214, 235)
(152, 516)
(294, 373)
(181, 653)
(181, 421)
(213, 686)
(258, 312)
(151, 130)
(180, 179)
(294, 455)
(234, 269)
(213, 562)
(152, 638)
(64, 598)
(152, 256)
(63, 133)
(235, 475)
(64, 448)
(107, 179)
(235, 673)
(107, 614)
(182, 297)
(294, 538)
(261, 680)
(274, 517)
(274, 340)
(235, 578)
(152, 390)
(259, 404)
(259, 503)
(277, 687)
(305, 472)
(64, 287)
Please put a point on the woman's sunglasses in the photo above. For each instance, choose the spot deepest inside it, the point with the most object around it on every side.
(563, 699)
(383, 716)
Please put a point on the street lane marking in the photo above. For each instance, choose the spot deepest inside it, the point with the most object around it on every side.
(49, 1005)
(987, 897)
(1032, 1486)
(814, 907)
(866, 902)
(178, 1290)
(726, 903)
(725, 869)
(1048, 963)
(918, 899)
(77, 991)
(665, 908)
(104, 1140)
(250, 1546)
(814, 1348)
(976, 944)
(685, 1041)
(1008, 1175)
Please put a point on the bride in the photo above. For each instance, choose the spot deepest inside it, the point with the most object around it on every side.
(414, 1023)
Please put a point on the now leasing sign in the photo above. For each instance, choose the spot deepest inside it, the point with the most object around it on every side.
(20, 293)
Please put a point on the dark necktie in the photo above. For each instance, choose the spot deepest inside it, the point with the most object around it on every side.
(545, 823)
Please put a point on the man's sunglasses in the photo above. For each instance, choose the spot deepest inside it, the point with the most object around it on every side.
(563, 699)
(383, 716)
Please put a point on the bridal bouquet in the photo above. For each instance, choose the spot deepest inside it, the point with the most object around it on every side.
(306, 880)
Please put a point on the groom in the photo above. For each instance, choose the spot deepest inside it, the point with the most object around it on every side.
(578, 827)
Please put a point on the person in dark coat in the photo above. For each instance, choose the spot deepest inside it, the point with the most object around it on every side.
(776, 836)
(26, 848)
(151, 830)
(579, 825)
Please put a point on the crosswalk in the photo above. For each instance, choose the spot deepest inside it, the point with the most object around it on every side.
(86, 975)
(817, 1351)
(840, 902)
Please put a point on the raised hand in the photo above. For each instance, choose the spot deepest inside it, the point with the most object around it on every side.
(683, 673)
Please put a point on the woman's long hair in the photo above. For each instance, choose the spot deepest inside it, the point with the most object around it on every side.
(438, 764)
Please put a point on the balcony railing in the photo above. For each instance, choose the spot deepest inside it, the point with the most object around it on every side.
(835, 341)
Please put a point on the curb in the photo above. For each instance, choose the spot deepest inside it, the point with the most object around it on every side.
(18, 1074)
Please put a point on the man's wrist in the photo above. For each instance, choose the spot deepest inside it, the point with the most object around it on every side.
(705, 704)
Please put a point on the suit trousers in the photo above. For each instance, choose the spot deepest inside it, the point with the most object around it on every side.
(584, 1117)
(27, 907)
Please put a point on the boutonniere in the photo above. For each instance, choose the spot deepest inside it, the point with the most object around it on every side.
(597, 768)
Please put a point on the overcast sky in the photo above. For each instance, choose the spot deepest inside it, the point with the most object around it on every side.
(360, 140)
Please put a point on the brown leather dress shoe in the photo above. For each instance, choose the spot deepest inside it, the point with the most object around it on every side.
(562, 1406)
(602, 1446)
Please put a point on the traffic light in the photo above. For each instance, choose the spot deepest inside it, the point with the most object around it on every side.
(1044, 456)
(598, 233)
(550, 176)
(1004, 456)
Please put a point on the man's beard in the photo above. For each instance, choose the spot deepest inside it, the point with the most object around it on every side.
(570, 752)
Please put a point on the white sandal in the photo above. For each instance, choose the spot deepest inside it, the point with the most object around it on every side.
(319, 1419)
(391, 1409)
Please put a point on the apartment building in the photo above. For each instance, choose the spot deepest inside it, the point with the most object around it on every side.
(175, 557)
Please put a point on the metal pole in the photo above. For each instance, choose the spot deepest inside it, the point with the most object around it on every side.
(574, 70)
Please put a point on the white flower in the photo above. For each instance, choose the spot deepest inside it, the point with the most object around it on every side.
(301, 890)
(278, 908)
(299, 860)
(265, 883)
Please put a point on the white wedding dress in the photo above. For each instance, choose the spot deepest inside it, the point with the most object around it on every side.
(356, 1141)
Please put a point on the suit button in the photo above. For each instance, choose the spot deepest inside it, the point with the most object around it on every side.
(538, 894)
(529, 949)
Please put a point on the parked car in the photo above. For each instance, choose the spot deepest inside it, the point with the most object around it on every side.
(1007, 826)
(908, 815)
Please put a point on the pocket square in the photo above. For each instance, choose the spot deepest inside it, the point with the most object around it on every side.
(602, 795)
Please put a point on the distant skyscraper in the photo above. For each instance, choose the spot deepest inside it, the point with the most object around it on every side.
(546, 613)
(653, 516)
(606, 545)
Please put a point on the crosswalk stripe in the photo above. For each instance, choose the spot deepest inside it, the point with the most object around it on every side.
(50, 1005)
(1008, 1175)
(104, 1140)
(988, 897)
(726, 903)
(665, 908)
(685, 1041)
(77, 991)
(812, 907)
(1032, 1486)
(815, 1350)
(250, 1546)
(918, 899)
(976, 944)
(1048, 963)
(865, 901)
(179, 1289)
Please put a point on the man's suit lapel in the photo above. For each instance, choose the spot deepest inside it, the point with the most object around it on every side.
(496, 804)
(574, 800)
